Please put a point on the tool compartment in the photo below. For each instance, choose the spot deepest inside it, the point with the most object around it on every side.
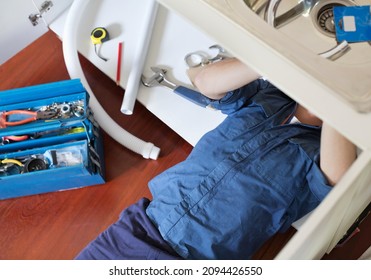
(60, 152)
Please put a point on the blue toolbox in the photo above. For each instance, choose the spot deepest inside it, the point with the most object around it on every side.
(49, 140)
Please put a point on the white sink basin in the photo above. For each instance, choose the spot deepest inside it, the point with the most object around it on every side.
(313, 28)
(348, 74)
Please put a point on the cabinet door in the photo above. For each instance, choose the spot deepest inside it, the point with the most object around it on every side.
(17, 29)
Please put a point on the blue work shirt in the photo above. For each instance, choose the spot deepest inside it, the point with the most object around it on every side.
(252, 176)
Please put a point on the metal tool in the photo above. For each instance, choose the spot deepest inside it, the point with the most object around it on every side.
(159, 79)
(196, 59)
(48, 133)
(65, 110)
(13, 138)
(31, 116)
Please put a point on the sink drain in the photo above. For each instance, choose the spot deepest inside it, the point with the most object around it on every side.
(323, 15)
(325, 21)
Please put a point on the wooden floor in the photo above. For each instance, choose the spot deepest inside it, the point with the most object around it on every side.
(58, 225)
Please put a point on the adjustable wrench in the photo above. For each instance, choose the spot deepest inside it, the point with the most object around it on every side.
(159, 78)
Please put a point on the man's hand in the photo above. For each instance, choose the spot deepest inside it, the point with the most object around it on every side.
(216, 79)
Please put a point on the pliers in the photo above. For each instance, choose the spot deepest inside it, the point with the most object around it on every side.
(33, 116)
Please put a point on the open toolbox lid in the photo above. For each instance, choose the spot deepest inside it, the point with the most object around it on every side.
(42, 91)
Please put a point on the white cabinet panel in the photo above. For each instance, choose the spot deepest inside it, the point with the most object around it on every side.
(58, 7)
(17, 29)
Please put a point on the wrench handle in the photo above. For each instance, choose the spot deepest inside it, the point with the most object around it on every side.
(193, 96)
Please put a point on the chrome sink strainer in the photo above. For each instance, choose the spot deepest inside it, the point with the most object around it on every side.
(323, 16)
(325, 21)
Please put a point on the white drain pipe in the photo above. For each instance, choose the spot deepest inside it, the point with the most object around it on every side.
(146, 149)
(144, 37)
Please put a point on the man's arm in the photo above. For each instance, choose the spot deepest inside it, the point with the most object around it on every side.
(214, 80)
(337, 154)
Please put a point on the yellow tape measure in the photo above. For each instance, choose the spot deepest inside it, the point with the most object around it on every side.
(99, 35)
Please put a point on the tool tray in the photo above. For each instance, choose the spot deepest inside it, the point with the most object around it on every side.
(60, 152)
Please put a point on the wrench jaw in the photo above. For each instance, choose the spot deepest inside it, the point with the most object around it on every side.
(158, 70)
(150, 82)
(167, 83)
(157, 79)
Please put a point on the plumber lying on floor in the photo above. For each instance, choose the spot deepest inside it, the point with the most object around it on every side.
(249, 178)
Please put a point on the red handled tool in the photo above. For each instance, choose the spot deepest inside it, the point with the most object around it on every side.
(32, 116)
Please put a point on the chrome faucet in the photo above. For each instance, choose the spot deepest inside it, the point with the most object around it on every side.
(304, 7)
